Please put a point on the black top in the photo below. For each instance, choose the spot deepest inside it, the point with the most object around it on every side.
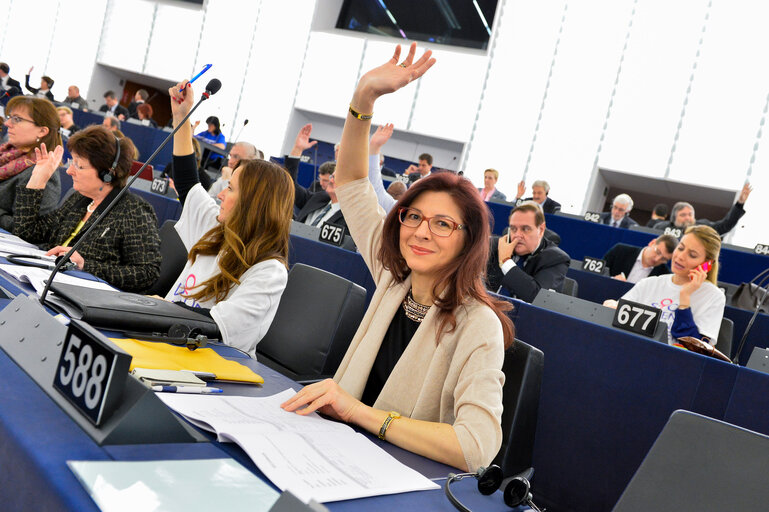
(184, 177)
(397, 338)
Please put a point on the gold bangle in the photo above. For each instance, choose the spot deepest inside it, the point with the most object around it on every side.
(358, 115)
(392, 416)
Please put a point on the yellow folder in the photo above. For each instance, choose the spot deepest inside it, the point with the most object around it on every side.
(162, 356)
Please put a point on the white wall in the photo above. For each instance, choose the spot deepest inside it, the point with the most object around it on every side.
(651, 87)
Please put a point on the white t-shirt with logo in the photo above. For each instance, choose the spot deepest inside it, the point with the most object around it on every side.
(245, 315)
(707, 303)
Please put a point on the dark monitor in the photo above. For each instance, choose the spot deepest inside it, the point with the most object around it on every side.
(759, 360)
(698, 463)
(586, 310)
(451, 22)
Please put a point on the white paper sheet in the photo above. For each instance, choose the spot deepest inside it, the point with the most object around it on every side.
(37, 277)
(310, 456)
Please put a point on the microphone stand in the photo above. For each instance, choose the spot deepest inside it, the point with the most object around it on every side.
(737, 354)
(62, 261)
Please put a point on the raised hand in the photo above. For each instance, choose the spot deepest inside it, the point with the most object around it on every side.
(380, 138)
(411, 169)
(46, 164)
(521, 189)
(181, 102)
(30, 70)
(746, 190)
(302, 141)
(389, 77)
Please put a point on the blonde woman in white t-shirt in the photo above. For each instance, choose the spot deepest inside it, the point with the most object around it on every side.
(237, 262)
(691, 303)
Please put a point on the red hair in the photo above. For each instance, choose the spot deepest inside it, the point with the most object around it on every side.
(463, 278)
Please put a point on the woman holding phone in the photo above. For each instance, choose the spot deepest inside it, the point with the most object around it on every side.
(691, 303)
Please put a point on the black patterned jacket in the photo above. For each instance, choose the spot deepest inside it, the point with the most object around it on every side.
(124, 249)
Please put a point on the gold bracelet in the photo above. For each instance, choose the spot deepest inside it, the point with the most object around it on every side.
(392, 416)
(358, 115)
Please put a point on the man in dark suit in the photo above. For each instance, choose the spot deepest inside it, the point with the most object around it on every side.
(6, 82)
(325, 171)
(112, 106)
(524, 261)
(659, 213)
(631, 263)
(315, 208)
(539, 194)
(139, 99)
(682, 215)
(618, 217)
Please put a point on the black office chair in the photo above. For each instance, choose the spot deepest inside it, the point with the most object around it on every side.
(317, 317)
(570, 287)
(174, 256)
(523, 369)
(725, 334)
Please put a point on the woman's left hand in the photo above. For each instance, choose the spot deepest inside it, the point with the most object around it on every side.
(325, 396)
(390, 77)
(46, 164)
(60, 250)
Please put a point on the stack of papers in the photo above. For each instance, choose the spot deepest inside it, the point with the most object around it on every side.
(309, 456)
(12, 244)
(38, 277)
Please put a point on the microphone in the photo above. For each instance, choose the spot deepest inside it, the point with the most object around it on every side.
(212, 87)
(241, 130)
(9, 93)
(759, 282)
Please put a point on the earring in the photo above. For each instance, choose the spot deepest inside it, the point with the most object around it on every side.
(38, 139)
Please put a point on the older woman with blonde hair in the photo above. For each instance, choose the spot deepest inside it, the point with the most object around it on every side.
(489, 191)
(31, 122)
(237, 266)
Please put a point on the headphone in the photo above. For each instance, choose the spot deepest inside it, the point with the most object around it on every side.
(516, 489)
(108, 176)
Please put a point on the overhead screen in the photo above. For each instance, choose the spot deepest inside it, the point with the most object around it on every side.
(452, 22)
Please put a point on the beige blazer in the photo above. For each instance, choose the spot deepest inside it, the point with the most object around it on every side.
(457, 381)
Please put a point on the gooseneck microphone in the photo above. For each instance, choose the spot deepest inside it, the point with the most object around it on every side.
(211, 88)
(236, 139)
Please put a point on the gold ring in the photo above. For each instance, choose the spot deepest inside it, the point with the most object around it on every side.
(402, 64)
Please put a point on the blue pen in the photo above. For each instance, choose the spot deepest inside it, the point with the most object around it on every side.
(206, 68)
(198, 390)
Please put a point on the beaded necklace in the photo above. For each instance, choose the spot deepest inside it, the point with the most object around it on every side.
(413, 309)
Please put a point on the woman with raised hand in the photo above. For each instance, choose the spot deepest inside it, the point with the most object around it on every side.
(238, 252)
(125, 249)
(31, 122)
(424, 368)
